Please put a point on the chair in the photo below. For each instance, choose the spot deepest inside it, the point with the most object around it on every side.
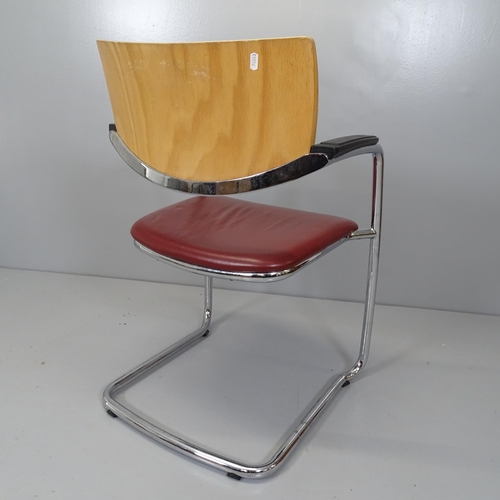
(223, 118)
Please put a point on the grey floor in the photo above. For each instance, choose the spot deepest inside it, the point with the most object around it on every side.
(422, 421)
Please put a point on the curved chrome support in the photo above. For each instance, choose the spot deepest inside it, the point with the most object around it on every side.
(294, 170)
(119, 384)
(373, 262)
(252, 277)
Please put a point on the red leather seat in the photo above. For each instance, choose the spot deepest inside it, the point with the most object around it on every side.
(232, 235)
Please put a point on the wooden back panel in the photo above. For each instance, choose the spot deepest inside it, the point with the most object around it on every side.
(213, 111)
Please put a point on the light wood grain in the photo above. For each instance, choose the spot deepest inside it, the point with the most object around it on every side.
(197, 111)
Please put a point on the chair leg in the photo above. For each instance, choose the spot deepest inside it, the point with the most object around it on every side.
(118, 410)
(234, 469)
(371, 289)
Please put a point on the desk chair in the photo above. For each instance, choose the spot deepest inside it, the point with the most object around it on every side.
(222, 118)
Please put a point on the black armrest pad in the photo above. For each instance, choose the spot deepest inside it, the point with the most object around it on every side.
(112, 127)
(343, 145)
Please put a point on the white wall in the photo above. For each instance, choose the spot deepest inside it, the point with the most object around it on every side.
(422, 75)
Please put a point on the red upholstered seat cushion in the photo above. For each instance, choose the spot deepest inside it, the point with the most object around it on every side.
(232, 235)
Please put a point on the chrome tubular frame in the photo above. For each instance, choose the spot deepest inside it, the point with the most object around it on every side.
(239, 276)
(232, 468)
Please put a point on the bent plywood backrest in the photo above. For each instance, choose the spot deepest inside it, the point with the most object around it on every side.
(216, 110)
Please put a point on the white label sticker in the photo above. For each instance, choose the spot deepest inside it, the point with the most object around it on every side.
(254, 61)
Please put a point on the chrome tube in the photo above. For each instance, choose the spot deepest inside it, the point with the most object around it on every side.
(120, 411)
(373, 263)
(293, 170)
(297, 168)
(252, 277)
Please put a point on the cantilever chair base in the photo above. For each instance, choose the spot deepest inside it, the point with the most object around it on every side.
(233, 469)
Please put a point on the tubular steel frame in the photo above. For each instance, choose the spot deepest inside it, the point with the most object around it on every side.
(308, 163)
